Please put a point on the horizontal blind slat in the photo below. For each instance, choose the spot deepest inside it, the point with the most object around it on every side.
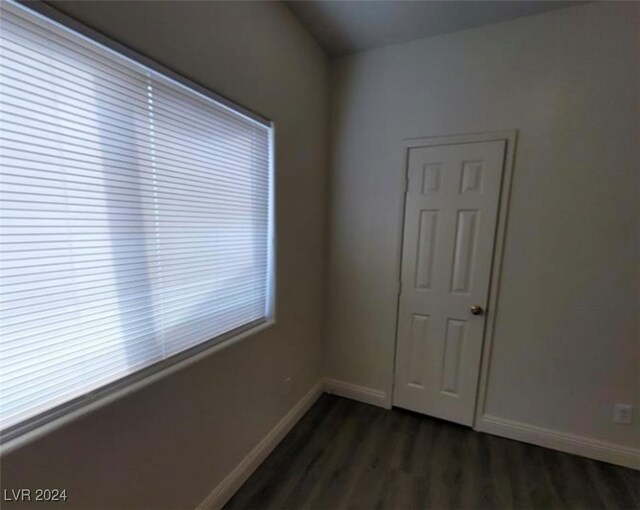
(43, 149)
(134, 216)
(134, 289)
(101, 327)
(75, 127)
(106, 370)
(108, 320)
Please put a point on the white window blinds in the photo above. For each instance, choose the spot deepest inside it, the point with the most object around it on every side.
(134, 217)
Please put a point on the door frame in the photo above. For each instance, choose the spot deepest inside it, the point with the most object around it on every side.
(510, 138)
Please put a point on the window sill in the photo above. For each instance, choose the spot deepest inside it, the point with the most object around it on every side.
(119, 389)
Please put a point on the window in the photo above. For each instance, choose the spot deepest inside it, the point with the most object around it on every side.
(135, 219)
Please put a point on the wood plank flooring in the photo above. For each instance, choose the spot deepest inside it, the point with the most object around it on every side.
(347, 455)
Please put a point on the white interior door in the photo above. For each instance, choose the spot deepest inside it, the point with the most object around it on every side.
(449, 228)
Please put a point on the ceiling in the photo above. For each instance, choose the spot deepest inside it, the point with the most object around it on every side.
(343, 27)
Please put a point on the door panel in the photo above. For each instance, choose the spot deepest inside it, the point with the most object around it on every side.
(463, 260)
(428, 230)
(449, 228)
(453, 348)
(419, 339)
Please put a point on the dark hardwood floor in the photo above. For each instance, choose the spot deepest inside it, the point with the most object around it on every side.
(344, 454)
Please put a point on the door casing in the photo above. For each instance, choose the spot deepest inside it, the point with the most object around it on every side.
(510, 138)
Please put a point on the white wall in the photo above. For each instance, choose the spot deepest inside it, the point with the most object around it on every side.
(169, 444)
(566, 345)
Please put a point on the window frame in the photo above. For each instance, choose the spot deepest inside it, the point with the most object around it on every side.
(47, 421)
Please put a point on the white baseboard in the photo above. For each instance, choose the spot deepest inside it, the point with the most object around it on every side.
(569, 443)
(234, 480)
(360, 393)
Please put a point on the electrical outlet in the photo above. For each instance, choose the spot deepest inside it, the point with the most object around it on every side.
(623, 414)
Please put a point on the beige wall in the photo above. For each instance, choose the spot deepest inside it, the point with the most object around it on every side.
(566, 342)
(169, 444)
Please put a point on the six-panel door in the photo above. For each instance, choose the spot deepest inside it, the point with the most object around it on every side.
(449, 228)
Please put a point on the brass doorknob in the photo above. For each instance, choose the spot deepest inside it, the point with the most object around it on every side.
(476, 310)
